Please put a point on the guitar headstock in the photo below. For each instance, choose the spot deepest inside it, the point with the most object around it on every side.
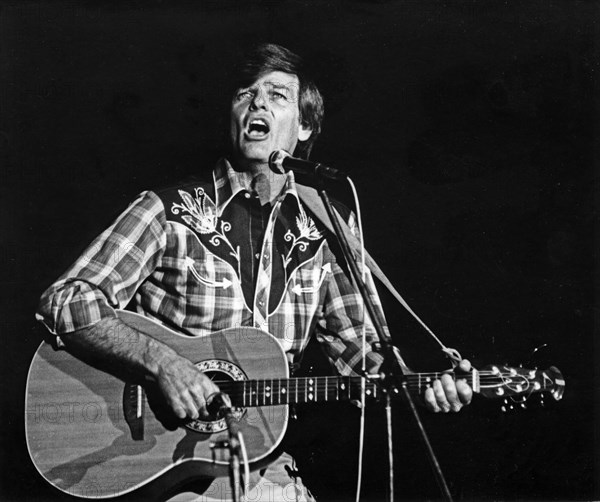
(519, 383)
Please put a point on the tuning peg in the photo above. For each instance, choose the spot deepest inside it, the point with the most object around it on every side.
(537, 355)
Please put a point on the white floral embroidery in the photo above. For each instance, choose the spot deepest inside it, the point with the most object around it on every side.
(307, 232)
(202, 217)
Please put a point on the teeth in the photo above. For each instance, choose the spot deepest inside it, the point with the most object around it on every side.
(259, 122)
(258, 126)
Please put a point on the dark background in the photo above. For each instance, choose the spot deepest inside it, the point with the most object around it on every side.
(467, 127)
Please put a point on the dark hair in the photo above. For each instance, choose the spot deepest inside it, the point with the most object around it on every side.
(266, 58)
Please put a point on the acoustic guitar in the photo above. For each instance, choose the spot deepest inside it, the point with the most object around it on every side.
(93, 435)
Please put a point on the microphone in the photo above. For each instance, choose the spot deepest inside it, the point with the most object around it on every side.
(281, 162)
(219, 406)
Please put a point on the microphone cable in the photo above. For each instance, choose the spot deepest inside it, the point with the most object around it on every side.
(363, 394)
(245, 463)
(361, 434)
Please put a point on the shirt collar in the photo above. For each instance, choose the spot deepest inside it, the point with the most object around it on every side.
(229, 182)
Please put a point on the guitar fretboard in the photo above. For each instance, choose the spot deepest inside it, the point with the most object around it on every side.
(267, 392)
(275, 391)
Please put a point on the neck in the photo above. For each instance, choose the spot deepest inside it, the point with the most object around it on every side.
(258, 177)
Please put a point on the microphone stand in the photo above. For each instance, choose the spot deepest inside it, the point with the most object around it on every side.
(392, 376)
(234, 453)
(224, 410)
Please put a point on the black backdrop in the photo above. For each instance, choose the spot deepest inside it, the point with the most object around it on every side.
(467, 127)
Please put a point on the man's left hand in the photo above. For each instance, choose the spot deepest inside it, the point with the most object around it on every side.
(448, 395)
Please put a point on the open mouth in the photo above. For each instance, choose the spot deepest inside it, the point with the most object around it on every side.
(258, 129)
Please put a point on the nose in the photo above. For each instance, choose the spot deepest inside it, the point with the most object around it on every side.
(259, 100)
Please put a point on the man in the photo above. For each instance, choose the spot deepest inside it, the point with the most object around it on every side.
(240, 249)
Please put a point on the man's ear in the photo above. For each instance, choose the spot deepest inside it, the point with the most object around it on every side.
(304, 132)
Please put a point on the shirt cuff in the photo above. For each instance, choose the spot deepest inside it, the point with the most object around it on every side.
(73, 307)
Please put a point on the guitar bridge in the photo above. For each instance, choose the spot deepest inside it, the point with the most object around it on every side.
(133, 409)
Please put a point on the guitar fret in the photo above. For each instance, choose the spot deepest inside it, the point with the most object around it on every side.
(261, 393)
(272, 392)
(296, 390)
(305, 390)
(265, 392)
(280, 390)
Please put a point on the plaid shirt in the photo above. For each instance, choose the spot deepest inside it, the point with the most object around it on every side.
(181, 256)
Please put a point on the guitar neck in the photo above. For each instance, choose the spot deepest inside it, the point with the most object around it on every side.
(318, 389)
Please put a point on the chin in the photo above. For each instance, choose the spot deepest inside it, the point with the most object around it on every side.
(256, 153)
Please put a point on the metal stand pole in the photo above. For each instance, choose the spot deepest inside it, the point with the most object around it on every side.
(393, 376)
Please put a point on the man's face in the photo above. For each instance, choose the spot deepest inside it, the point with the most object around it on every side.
(265, 117)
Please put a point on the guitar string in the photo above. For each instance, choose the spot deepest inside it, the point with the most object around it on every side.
(414, 381)
(277, 400)
(313, 387)
(317, 382)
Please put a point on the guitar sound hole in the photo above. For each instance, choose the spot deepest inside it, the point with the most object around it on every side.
(218, 371)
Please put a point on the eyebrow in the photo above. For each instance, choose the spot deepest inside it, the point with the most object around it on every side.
(279, 85)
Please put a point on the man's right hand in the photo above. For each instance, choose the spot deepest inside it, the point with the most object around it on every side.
(184, 387)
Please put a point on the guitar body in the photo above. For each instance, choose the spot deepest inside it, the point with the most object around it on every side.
(80, 441)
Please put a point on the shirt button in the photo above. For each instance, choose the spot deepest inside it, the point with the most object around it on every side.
(261, 303)
(247, 195)
(257, 256)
